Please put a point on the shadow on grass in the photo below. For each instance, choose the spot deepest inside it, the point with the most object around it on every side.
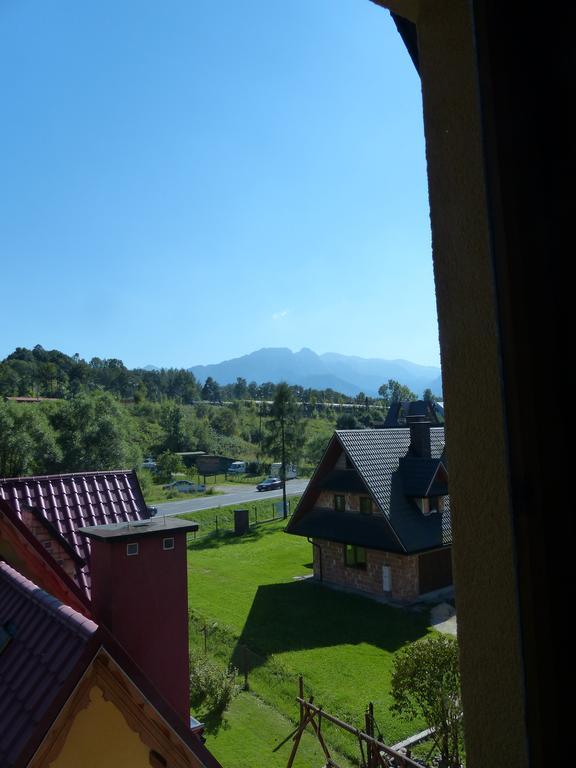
(214, 721)
(305, 615)
(216, 539)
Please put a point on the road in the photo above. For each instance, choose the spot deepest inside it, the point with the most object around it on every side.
(229, 497)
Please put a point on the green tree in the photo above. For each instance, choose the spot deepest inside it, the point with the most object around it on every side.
(429, 397)
(315, 448)
(225, 422)
(28, 443)
(394, 392)
(211, 391)
(426, 683)
(347, 421)
(240, 389)
(96, 433)
(286, 434)
(172, 420)
(168, 464)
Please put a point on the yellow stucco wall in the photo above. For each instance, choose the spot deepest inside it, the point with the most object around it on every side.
(101, 738)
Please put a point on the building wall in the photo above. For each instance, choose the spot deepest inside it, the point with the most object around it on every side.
(100, 736)
(326, 499)
(143, 600)
(403, 570)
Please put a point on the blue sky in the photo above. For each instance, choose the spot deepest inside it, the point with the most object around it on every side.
(187, 181)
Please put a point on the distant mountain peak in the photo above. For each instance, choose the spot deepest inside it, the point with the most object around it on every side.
(347, 374)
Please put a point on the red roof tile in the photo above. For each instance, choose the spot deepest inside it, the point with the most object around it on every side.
(47, 641)
(65, 503)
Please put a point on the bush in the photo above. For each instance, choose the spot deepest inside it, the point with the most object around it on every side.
(426, 683)
(254, 468)
(212, 685)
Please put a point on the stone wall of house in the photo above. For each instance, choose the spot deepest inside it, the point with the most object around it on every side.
(403, 571)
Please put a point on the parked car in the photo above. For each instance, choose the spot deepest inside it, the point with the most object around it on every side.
(149, 463)
(152, 511)
(184, 486)
(269, 484)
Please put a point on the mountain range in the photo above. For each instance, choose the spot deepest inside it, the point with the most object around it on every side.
(342, 373)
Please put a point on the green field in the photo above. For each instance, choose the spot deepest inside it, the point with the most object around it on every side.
(261, 615)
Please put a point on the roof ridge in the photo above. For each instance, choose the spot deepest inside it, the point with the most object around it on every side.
(78, 623)
(63, 475)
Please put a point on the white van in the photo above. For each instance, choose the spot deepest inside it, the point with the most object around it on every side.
(236, 468)
(276, 468)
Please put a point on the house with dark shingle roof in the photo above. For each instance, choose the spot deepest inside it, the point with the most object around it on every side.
(377, 512)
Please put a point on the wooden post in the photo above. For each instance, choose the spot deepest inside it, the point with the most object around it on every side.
(367, 727)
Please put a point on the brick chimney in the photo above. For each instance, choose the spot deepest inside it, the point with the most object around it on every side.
(140, 593)
(420, 436)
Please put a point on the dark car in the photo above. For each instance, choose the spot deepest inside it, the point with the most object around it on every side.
(269, 484)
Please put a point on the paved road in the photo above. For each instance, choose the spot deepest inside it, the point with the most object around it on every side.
(246, 494)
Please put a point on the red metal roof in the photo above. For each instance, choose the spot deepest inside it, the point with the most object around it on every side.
(47, 639)
(67, 502)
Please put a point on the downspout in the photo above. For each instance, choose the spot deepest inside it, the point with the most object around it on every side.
(314, 544)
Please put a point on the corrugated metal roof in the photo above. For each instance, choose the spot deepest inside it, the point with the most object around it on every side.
(68, 502)
(47, 640)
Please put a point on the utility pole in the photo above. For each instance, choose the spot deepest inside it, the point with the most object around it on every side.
(285, 506)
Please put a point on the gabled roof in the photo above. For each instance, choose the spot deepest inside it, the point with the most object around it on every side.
(24, 552)
(398, 413)
(421, 476)
(47, 639)
(64, 503)
(46, 649)
(369, 531)
(397, 525)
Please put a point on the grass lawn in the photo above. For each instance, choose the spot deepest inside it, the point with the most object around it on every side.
(158, 495)
(249, 732)
(221, 518)
(342, 644)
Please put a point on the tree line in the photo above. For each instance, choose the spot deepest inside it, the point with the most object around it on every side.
(90, 421)
(39, 372)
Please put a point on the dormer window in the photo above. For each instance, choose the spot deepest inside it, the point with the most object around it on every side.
(437, 504)
(423, 505)
(430, 505)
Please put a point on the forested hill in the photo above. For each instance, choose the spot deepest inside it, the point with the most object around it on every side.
(39, 372)
(99, 415)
